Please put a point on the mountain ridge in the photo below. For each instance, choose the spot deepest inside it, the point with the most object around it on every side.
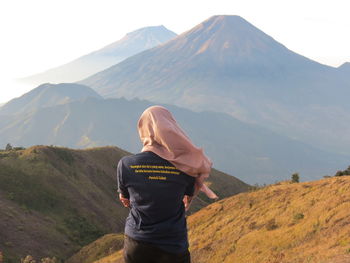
(131, 44)
(258, 81)
(47, 95)
(244, 150)
(241, 34)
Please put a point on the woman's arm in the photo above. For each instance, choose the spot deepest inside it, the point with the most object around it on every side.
(187, 201)
(125, 201)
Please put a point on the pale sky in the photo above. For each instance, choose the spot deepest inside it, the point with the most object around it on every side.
(37, 35)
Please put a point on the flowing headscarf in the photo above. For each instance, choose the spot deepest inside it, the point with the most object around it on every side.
(160, 134)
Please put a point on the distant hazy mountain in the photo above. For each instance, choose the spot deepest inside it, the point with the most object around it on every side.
(48, 95)
(133, 43)
(345, 68)
(247, 151)
(226, 64)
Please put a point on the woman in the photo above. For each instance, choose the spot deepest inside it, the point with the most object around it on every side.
(158, 185)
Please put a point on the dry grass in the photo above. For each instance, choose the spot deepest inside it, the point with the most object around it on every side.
(101, 248)
(285, 223)
(116, 257)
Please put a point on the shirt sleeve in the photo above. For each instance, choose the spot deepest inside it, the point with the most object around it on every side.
(122, 189)
(190, 186)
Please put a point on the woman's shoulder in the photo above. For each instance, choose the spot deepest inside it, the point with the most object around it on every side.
(140, 157)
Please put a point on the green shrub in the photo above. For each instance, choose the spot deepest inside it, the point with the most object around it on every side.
(81, 231)
(298, 216)
(295, 178)
(28, 191)
(344, 172)
(271, 225)
(18, 148)
(8, 147)
(64, 155)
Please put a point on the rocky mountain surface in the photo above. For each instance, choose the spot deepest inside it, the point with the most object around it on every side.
(228, 65)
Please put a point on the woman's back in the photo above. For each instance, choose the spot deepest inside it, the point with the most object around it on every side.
(155, 189)
(158, 184)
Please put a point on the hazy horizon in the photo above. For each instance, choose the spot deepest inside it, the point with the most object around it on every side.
(37, 37)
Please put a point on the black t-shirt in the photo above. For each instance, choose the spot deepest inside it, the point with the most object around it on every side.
(155, 189)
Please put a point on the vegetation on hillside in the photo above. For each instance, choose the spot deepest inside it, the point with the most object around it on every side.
(30, 259)
(98, 249)
(281, 223)
(55, 200)
(344, 172)
(295, 178)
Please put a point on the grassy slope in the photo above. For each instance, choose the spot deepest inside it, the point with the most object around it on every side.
(224, 185)
(55, 200)
(282, 223)
(306, 222)
(100, 248)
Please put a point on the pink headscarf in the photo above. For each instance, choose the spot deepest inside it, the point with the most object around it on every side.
(160, 133)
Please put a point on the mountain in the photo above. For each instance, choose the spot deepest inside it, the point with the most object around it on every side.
(51, 200)
(55, 200)
(226, 64)
(131, 44)
(47, 95)
(282, 223)
(345, 68)
(247, 151)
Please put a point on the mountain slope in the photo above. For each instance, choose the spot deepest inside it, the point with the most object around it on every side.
(48, 95)
(55, 200)
(102, 247)
(220, 183)
(226, 64)
(283, 223)
(292, 223)
(244, 150)
(51, 200)
(345, 68)
(131, 44)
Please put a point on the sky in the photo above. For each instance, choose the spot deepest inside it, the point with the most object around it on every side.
(37, 35)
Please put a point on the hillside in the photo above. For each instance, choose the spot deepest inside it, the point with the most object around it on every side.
(100, 248)
(82, 67)
(245, 150)
(51, 199)
(307, 222)
(228, 65)
(47, 95)
(55, 200)
(282, 223)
